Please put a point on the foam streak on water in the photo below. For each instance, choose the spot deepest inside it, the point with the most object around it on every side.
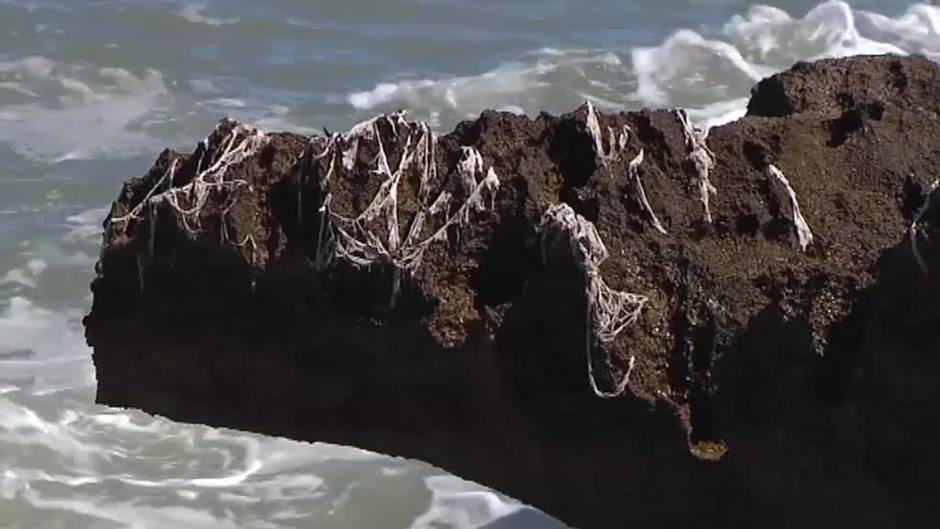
(92, 90)
(710, 75)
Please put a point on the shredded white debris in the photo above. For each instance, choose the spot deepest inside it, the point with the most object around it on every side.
(243, 142)
(165, 180)
(616, 146)
(634, 172)
(701, 158)
(915, 227)
(609, 311)
(356, 240)
(803, 233)
(616, 140)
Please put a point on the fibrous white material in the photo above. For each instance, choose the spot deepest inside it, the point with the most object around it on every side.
(616, 140)
(616, 145)
(243, 142)
(803, 233)
(357, 240)
(634, 171)
(701, 158)
(609, 311)
(189, 200)
(915, 227)
(165, 180)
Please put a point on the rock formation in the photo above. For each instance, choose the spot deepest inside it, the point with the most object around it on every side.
(617, 318)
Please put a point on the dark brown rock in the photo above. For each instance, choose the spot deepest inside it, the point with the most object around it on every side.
(768, 386)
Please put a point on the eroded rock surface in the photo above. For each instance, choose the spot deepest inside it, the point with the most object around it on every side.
(612, 317)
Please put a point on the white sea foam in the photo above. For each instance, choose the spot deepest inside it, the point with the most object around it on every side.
(35, 5)
(65, 111)
(23, 428)
(546, 79)
(26, 276)
(86, 227)
(263, 115)
(196, 14)
(917, 30)
(709, 74)
(713, 76)
(714, 114)
(58, 356)
(227, 102)
(75, 461)
(203, 86)
(459, 504)
(132, 514)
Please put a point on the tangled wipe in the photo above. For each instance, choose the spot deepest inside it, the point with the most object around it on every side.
(374, 236)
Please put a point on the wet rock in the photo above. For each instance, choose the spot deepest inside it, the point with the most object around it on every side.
(546, 306)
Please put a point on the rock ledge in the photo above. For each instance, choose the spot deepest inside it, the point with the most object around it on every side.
(615, 318)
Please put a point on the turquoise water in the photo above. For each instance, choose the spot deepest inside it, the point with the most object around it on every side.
(90, 91)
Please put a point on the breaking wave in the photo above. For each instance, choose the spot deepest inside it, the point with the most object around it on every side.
(53, 109)
(709, 73)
